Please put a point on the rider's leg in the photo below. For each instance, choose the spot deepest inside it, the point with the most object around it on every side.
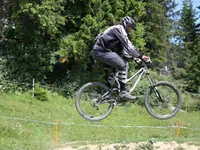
(122, 76)
(111, 59)
(109, 76)
(115, 61)
(124, 93)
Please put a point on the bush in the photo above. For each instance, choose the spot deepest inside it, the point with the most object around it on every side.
(41, 94)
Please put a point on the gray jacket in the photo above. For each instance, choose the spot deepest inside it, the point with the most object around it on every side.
(112, 37)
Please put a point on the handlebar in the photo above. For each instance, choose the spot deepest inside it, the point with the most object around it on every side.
(142, 62)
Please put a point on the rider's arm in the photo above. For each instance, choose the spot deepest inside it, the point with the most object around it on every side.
(128, 47)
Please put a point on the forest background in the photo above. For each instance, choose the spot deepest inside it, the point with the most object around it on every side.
(50, 40)
(48, 43)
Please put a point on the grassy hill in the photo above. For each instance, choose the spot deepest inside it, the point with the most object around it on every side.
(28, 124)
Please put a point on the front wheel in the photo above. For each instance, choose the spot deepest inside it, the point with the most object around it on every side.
(163, 100)
(94, 101)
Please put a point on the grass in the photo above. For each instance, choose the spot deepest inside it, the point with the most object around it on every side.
(36, 129)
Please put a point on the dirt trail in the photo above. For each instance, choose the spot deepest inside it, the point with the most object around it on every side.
(134, 146)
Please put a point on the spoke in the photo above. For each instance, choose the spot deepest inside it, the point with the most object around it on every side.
(94, 101)
(163, 100)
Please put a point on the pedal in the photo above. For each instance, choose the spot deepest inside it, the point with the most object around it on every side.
(111, 101)
(120, 103)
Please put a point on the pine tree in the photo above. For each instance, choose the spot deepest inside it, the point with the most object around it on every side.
(194, 73)
(157, 30)
(195, 69)
(198, 25)
(172, 14)
(187, 53)
(188, 23)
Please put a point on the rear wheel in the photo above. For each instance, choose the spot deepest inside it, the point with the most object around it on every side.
(163, 100)
(94, 101)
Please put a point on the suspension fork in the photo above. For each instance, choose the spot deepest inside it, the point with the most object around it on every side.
(155, 89)
(149, 77)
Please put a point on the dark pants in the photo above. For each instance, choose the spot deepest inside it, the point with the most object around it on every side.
(111, 59)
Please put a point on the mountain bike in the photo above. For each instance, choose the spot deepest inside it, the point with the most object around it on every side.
(95, 100)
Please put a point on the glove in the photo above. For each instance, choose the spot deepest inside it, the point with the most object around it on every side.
(137, 60)
(146, 59)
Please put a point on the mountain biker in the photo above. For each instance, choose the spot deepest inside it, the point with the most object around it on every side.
(113, 43)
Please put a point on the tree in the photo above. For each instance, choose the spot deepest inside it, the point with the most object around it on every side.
(30, 43)
(187, 52)
(156, 35)
(48, 28)
(93, 17)
(6, 9)
(194, 74)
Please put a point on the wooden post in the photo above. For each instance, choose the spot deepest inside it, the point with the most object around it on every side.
(56, 133)
(33, 87)
(179, 129)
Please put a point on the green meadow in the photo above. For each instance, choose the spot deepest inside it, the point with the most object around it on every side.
(29, 124)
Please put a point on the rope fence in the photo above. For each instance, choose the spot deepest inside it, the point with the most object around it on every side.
(93, 125)
(57, 124)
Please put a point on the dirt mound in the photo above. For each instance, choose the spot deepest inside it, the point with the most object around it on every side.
(135, 146)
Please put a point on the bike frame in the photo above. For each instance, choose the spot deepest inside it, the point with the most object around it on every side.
(138, 74)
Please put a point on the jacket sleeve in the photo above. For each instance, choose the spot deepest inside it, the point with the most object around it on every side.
(121, 34)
